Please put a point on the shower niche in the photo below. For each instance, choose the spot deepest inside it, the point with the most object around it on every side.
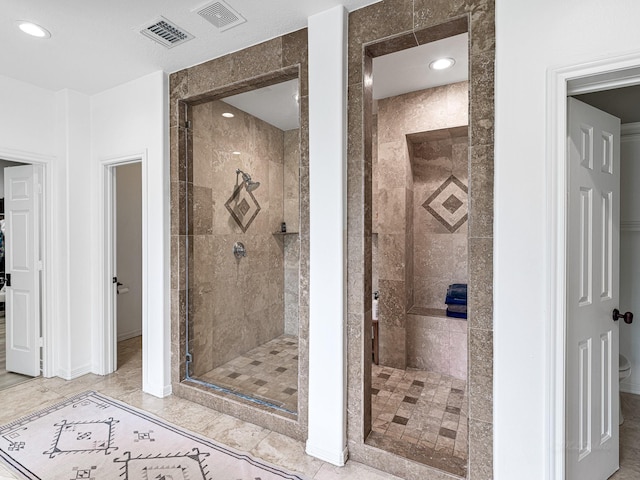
(242, 251)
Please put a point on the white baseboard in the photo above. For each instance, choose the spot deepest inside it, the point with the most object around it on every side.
(75, 373)
(332, 457)
(128, 335)
(157, 390)
(629, 387)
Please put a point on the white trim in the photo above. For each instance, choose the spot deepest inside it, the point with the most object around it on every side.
(599, 81)
(160, 392)
(106, 337)
(128, 335)
(629, 130)
(629, 387)
(328, 456)
(50, 262)
(599, 75)
(25, 156)
(630, 226)
(75, 373)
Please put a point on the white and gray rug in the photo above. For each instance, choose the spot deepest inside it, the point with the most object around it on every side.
(94, 437)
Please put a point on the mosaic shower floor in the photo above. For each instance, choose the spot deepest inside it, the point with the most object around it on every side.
(422, 416)
(268, 372)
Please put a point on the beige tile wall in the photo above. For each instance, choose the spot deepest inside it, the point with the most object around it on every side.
(292, 220)
(408, 270)
(437, 344)
(238, 304)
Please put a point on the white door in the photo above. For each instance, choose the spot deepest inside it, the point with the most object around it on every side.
(22, 266)
(593, 255)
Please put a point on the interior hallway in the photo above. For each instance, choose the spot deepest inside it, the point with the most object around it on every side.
(125, 385)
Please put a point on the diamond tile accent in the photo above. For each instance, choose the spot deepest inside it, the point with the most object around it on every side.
(452, 204)
(448, 204)
(242, 206)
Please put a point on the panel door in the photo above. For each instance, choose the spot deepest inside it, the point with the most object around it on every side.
(22, 265)
(592, 293)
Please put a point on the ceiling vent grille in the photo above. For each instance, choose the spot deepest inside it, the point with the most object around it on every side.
(166, 33)
(221, 15)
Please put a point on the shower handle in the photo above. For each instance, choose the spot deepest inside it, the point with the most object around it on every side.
(239, 251)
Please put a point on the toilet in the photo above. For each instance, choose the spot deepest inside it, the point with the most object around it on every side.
(624, 370)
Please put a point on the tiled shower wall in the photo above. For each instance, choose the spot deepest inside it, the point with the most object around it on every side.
(292, 240)
(399, 180)
(238, 304)
(440, 162)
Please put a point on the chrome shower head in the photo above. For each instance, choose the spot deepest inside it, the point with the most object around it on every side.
(246, 178)
(251, 185)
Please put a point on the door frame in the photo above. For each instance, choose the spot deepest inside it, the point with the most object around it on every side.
(50, 262)
(597, 75)
(108, 341)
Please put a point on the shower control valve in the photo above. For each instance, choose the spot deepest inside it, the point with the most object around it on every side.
(239, 251)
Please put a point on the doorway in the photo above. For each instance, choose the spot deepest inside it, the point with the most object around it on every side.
(420, 162)
(21, 282)
(124, 228)
(605, 86)
(128, 258)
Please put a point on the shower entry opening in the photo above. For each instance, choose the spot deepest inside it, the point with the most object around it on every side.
(242, 246)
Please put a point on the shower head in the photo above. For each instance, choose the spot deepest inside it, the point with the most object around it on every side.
(246, 178)
(251, 185)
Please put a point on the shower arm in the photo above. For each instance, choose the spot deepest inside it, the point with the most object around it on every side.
(245, 176)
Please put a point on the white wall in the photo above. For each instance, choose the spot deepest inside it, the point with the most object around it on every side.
(27, 119)
(127, 121)
(630, 251)
(327, 166)
(129, 249)
(73, 326)
(531, 37)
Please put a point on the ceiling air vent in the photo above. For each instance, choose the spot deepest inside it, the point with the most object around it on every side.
(221, 15)
(166, 33)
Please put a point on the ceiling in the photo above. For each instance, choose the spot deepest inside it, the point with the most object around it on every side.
(408, 70)
(276, 104)
(620, 102)
(96, 45)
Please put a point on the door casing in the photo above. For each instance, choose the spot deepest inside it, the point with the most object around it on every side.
(108, 341)
(601, 74)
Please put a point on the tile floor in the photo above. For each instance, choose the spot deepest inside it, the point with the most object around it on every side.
(422, 416)
(629, 439)
(125, 385)
(7, 379)
(268, 372)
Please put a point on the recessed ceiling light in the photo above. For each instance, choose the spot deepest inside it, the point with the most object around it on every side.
(228, 115)
(34, 30)
(442, 64)
(236, 153)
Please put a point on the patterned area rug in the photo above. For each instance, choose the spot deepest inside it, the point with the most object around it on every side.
(94, 437)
